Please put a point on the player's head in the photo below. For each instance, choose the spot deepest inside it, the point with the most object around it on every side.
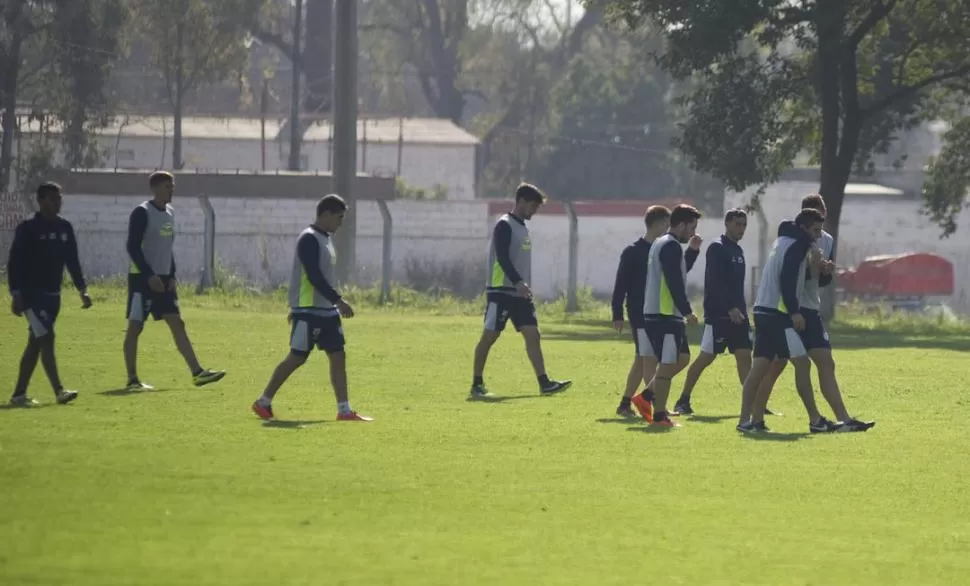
(330, 212)
(683, 221)
(528, 200)
(735, 223)
(657, 219)
(814, 201)
(162, 184)
(49, 198)
(811, 220)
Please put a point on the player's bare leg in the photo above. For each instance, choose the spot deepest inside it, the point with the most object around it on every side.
(200, 376)
(338, 378)
(769, 380)
(131, 355)
(803, 384)
(661, 390)
(750, 391)
(28, 363)
(633, 378)
(482, 350)
(703, 360)
(829, 385)
(742, 361)
(533, 347)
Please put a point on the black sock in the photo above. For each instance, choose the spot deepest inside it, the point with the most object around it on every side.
(625, 402)
(647, 394)
(198, 372)
(683, 399)
(660, 416)
(477, 381)
(544, 380)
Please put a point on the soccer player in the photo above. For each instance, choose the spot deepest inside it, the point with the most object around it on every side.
(42, 247)
(726, 324)
(814, 337)
(778, 318)
(631, 279)
(508, 296)
(152, 283)
(666, 310)
(315, 311)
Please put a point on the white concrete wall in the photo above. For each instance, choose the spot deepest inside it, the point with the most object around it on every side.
(255, 237)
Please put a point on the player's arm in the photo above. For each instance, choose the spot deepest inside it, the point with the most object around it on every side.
(790, 274)
(137, 224)
(622, 284)
(18, 260)
(308, 251)
(73, 261)
(825, 279)
(713, 279)
(690, 257)
(670, 257)
(503, 244)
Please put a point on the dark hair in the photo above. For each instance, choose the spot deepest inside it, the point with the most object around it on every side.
(813, 201)
(683, 213)
(530, 193)
(808, 217)
(332, 203)
(159, 177)
(655, 214)
(734, 214)
(47, 188)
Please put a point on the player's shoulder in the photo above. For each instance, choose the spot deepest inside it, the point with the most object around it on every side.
(26, 225)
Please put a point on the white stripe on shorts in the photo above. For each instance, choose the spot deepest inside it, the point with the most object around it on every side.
(796, 349)
(707, 340)
(300, 340)
(491, 316)
(644, 349)
(137, 311)
(36, 326)
(670, 351)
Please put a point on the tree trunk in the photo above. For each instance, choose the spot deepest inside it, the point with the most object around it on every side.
(11, 73)
(317, 60)
(177, 114)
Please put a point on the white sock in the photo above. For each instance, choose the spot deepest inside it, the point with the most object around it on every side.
(343, 408)
(264, 402)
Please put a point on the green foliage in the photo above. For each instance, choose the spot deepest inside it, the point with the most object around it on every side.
(838, 79)
(948, 181)
(610, 127)
(404, 191)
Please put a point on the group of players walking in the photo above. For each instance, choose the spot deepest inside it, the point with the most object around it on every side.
(650, 282)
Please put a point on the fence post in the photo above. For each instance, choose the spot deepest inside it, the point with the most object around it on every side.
(209, 244)
(572, 304)
(388, 226)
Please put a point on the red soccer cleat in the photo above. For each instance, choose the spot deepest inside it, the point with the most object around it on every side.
(643, 406)
(353, 416)
(264, 413)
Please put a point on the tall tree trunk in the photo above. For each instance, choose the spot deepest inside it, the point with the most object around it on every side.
(11, 73)
(317, 57)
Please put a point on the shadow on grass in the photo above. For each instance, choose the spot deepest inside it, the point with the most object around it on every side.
(708, 418)
(844, 335)
(9, 407)
(291, 424)
(651, 429)
(775, 437)
(126, 392)
(503, 399)
(626, 420)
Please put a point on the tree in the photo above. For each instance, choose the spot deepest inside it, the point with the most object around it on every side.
(610, 128)
(195, 42)
(948, 181)
(836, 78)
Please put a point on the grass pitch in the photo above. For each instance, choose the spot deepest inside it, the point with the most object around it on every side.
(186, 486)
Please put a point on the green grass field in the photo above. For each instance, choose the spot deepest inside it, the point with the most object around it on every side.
(186, 486)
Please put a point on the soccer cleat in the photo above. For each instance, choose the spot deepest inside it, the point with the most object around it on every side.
(625, 411)
(759, 427)
(555, 386)
(665, 422)
(682, 408)
(746, 427)
(207, 376)
(22, 401)
(65, 397)
(643, 406)
(479, 392)
(136, 385)
(856, 425)
(264, 413)
(823, 425)
(353, 416)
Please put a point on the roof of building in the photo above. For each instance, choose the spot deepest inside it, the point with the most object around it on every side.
(380, 130)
